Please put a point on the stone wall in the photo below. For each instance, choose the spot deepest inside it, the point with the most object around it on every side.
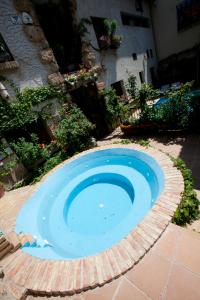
(31, 70)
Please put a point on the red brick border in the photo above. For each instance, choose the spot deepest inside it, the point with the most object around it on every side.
(25, 274)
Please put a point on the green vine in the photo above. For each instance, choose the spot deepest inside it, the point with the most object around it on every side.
(20, 111)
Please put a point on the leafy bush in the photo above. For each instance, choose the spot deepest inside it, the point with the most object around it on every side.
(115, 110)
(19, 112)
(188, 209)
(145, 93)
(74, 130)
(110, 27)
(51, 163)
(141, 95)
(29, 152)
(175, 113)
(131, 86)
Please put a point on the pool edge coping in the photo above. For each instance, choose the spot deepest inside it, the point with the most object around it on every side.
(90, 272)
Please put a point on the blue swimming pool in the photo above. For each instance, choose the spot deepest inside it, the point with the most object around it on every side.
(90, 203)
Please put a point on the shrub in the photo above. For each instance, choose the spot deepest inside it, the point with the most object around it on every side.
(142, 94)
(175, 113)
(131, 86)
(146, 92)
(115, 110)
(188, 209)
(51, 163)
(29, 152)
(74, 130)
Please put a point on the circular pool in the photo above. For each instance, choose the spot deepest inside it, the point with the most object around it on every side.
(90, 203)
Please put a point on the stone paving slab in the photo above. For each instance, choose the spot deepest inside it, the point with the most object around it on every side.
(43, 277)
(163, 274)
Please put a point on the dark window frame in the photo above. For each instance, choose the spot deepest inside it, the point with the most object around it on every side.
(119, 87)
(99, 28)
(5, 54)
(134, 55)
(142, 79)
(139, 5)
(134, 20)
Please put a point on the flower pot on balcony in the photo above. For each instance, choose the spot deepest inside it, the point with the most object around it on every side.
(115, 42)
(104, 42)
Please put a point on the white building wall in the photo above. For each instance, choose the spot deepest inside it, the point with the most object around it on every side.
(119, 63)
(168, 39)
(31, 71)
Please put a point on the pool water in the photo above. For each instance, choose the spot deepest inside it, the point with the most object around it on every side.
(90, 203)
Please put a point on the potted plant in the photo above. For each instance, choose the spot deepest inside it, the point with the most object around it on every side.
(2, 189)
(104, 42)
(115, 41)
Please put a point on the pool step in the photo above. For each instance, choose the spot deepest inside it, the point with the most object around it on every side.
(25, 238)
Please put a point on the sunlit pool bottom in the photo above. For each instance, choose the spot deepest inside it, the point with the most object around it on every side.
(90, 203)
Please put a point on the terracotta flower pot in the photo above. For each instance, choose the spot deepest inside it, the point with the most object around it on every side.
(137, 129)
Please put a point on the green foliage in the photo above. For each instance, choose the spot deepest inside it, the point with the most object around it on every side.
(175, 113)
(115, 110)
(51, 163)
(110, 26)
(74, 130)
(29, 152)
(141, 142)
(188, 209)
(20, 111)
(145, 93)
(141, 95)
(131, 86)
(113, 40)
(82, 26)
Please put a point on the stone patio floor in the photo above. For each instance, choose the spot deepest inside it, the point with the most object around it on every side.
(171, 269)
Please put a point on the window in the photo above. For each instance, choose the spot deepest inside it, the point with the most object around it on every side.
(151, 52)
(138, 5)
(132, 20)
(99, 27)
(188, 13)
(134, 55)
(5, 54)
(141, 74)
(119, 88)
(153, 76)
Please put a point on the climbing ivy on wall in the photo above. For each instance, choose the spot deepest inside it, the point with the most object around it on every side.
(20, 111)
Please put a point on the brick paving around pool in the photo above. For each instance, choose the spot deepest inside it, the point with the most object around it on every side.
(26, 275)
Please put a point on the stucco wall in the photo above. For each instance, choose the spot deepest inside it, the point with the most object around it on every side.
(168, 39)
(135, 39)
(31, 71)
